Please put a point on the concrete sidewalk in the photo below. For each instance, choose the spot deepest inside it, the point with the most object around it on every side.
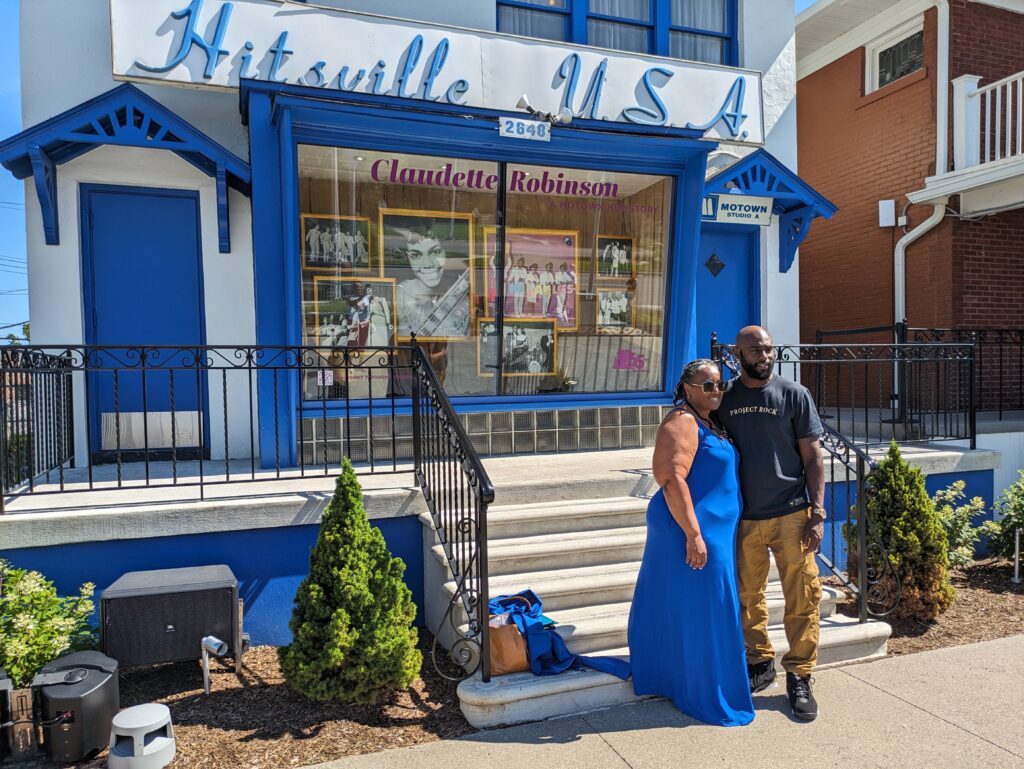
(956, 707)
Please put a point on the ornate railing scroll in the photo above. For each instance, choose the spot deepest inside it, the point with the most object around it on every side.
(457, 491)
(848, 528)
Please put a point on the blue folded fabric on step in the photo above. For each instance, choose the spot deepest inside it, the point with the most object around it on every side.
(548, 652)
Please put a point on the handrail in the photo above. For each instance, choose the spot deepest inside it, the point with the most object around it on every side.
(457, 490)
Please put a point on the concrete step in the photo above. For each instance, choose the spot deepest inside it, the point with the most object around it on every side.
(524, 697)
(566, 516)
(596, 626)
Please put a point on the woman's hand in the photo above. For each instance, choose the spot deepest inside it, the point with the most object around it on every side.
(696, 552)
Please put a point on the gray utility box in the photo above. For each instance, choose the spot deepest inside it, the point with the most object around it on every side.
(150, 617)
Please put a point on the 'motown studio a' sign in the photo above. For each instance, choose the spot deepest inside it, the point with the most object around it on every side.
(218, 43)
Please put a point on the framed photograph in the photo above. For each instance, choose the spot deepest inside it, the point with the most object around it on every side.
(530, 348)
(428, 254)
(541, 277)
(336, 243)
(615, 308)
(351, 312)
(614, 257)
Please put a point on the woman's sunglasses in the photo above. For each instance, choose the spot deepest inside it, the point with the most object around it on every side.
(710, 387)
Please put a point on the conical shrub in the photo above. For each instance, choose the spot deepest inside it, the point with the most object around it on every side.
(352, 634)
(904, 520)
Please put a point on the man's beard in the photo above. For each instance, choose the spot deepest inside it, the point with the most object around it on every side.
(754, 372)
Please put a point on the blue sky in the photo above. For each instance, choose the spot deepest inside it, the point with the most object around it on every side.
(13, 281)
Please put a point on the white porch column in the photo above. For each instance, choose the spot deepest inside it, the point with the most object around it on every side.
(966, 122)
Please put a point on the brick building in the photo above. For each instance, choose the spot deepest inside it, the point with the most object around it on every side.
(918, 103)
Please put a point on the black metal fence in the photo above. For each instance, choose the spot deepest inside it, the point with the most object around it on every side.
(998, 358)
(877, 392)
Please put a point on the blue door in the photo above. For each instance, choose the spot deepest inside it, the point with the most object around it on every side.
(142, 276)
(727, 283)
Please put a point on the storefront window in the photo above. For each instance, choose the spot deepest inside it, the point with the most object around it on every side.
(394, 245)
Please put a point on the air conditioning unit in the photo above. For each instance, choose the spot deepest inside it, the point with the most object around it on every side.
(150, 617)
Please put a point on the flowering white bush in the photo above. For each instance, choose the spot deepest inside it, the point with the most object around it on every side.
(37, 625)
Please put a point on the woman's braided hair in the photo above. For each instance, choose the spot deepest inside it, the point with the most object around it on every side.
(689, 372)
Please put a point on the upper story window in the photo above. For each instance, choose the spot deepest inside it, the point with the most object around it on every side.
(699, 30)
(895, 55)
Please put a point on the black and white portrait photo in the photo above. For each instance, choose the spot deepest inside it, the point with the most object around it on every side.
(351, 312)
(614, 256)
(336, 242)
(614, 308)
(428, 255)
(530, 347)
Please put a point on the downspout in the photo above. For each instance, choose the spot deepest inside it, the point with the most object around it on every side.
(941, 164)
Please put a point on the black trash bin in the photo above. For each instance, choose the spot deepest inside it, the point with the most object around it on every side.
(78, 698)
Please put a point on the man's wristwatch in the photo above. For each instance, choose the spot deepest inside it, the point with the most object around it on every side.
(820, 512)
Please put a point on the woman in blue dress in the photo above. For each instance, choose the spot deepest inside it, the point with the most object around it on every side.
(685, 639)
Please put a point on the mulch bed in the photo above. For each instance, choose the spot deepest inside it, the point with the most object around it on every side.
(256, 722)
(987, 606)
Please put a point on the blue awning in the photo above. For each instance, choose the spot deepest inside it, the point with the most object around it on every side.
(127, 117)
(796, 203)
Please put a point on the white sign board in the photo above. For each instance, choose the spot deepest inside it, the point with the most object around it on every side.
(737, 209)
(217, 43)
(517, 128)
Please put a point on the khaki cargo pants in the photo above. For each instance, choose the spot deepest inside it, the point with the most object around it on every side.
(801, 589)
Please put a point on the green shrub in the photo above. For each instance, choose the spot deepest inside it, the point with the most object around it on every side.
(957, 521)
(1000, 534)
(903, 519)
(37, 625)
(352, 634)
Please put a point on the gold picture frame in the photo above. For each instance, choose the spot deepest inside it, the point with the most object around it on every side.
(604, 246)
(628, 294)
(346, 304)
(449, 305)
(527, 358)
(337, 262)
(532, 239)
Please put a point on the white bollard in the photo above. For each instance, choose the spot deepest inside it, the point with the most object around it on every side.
(1016, 558)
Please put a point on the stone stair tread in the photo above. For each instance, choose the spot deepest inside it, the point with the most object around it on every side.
(577, 540)
(836, 631)
(567, 507)
(562, 581)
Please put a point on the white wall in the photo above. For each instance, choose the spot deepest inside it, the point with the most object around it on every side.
(65, 60)
(55, 272)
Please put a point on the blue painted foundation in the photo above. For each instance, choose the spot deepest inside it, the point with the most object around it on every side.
(979, 484)
(268, 563)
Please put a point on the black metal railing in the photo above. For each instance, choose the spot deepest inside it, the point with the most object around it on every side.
(869, 574)
(457, 491)
(180, 416)
(998, 367)
(998, 358)
(877, 392)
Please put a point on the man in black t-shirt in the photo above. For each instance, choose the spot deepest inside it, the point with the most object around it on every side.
(774, 425)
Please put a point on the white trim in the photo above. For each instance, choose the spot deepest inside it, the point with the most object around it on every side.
(967, 179)
(1016, 6)
(876, 46)
(859, 36)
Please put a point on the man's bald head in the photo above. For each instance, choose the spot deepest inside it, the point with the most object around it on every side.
(753, 335)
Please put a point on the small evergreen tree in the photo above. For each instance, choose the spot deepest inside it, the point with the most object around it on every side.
(903, 518)
(352, 634)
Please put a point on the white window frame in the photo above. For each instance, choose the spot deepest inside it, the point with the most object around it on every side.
(876, 46)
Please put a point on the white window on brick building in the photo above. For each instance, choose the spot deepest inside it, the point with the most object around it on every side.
(894, 55)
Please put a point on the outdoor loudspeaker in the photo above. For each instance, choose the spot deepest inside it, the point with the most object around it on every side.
(149, 617)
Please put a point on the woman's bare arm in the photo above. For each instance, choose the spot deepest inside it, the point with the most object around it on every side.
(674, 450)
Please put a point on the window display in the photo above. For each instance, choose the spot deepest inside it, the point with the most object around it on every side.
(569, 297)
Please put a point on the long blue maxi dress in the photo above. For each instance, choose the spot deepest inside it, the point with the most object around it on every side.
(685, 638)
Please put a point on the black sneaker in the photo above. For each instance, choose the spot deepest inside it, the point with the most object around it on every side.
(800, 697)
(761, 675)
